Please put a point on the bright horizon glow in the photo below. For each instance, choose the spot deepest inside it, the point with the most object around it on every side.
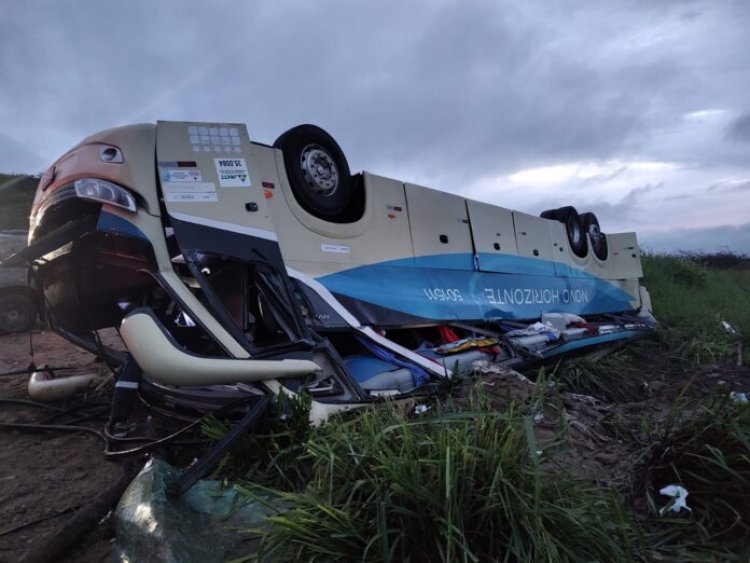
(704, 115)
(585, 171)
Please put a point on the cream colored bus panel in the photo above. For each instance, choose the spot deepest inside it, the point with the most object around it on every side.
(494, 236)
(381, 235)
(624, 257)
(224, 187)
(439, 227)
(533, 241)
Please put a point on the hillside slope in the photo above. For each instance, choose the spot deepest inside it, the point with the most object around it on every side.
(16, 196)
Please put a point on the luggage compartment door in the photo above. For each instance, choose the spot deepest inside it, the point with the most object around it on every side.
(440, 230)
(494, 237)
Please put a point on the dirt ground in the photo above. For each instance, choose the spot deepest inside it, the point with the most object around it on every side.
(47, 478)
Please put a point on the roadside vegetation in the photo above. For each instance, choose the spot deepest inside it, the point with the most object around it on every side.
(478, 477)
(16, 193)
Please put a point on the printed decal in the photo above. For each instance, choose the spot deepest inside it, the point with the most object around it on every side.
(180, 175)
(217, 139)
(199, 197)
(188, 187)
(233, 172)
(335, 248)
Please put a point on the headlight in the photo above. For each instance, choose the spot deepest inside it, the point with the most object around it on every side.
(105, 192)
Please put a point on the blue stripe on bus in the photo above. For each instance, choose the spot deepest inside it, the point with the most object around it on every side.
(109, 223)
(447, 294)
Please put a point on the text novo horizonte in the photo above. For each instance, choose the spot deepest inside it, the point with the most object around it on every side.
(530, 296)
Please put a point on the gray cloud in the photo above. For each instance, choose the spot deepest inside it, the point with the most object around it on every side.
(21, 157)
(631, 208)
(441, 93)
(740, 129)
(482, 85)
(728, 186)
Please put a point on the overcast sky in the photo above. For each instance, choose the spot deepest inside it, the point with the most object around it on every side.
(637, 110)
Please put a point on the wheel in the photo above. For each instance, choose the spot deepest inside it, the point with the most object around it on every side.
(576, 237)
(17, 312)
(317, 170)
(590, 225)
(549, 214)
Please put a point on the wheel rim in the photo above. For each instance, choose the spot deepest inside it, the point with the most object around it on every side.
(597, 240)
(574, 231)
(319, 170)
(14, 320)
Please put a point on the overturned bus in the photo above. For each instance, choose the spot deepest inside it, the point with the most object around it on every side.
(232, 268)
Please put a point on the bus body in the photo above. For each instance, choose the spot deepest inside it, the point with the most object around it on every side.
(234, 267)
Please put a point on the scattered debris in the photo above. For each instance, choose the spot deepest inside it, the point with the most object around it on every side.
(738, 397)
(679, 499)
(483, 367)
(48, 385)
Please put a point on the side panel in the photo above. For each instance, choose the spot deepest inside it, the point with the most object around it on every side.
(624, 257)
(534, 242)
(440, 230)
(208, 175)
(494, 237)
(313, 246)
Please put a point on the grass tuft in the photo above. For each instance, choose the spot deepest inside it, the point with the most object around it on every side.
(691, 301)
(706, 450)
(271, 454)
(455, 486)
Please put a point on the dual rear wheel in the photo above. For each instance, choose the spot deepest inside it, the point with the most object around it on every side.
(577, 226)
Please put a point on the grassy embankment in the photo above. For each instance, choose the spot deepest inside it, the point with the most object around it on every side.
(474, 485)
(16, 195)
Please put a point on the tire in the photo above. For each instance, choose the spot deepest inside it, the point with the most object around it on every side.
(590, 225)
(573, 227)
(17, 312)
(549, 214)
(318, 172)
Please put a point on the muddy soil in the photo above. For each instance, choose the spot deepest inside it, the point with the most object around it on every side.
(599, 442)
(47, 477)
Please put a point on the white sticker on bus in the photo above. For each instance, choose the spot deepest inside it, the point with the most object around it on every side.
(233, 172)
(335, 248)
(200, 197)
(188, 187)
(180, 175)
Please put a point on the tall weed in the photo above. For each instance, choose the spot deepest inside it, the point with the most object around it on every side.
(707, 452)
(455, 486)
(692, 300)
(270, 455)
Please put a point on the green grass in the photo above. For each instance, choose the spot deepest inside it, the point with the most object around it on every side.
(692, 300)
(455, 486)
(270, 455)
(707, 453)
(612, 377)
